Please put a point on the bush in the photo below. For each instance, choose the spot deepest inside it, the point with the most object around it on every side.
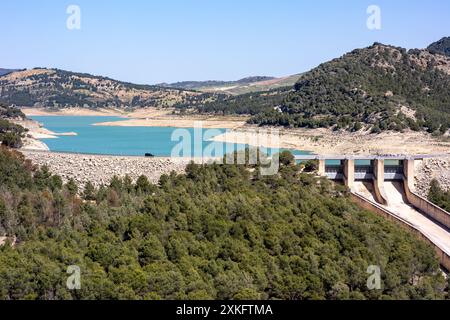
(311, 166)
(286, 158)
(438, 196)
(11, 140)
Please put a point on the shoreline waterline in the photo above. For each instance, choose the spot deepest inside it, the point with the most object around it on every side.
(144, 117)
(317, 141)
(168, 141)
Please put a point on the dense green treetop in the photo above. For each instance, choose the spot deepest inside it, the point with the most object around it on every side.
(216, 232)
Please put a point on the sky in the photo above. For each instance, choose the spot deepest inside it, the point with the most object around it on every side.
(155, 41)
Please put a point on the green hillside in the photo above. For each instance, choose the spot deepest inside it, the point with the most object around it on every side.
(54, 88)
(376, 88)
(439, 196)
(383, 87)
(249, 103)
(218, 232)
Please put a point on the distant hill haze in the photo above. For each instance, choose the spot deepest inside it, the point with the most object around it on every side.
(215, 83)
(242, 86)
(442, 46)
(6, 71)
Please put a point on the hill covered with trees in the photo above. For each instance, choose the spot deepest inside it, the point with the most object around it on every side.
(383, 87)
(376, 88)
(217, 232)
(253, 103)
(54, 88)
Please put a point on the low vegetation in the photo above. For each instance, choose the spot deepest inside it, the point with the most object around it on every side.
(11, 134)
(216, 232)
(439, 196)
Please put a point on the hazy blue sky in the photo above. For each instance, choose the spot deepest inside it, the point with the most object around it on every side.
(156, 41)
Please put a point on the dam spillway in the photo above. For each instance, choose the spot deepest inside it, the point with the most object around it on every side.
(385, 185)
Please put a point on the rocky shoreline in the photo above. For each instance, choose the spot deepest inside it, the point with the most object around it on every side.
(36, 132)
(99, 169)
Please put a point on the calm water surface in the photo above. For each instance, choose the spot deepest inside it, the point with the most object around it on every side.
(132, 141)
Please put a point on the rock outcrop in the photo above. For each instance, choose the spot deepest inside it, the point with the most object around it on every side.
(430, 169)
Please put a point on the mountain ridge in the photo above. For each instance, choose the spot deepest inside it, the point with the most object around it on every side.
(55, 88)
(371, 86)
(4, 71)
(441, 47)
(376, 88)
(238, 87)
(212, 83)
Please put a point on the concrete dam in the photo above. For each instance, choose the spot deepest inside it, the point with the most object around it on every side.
(385, 185)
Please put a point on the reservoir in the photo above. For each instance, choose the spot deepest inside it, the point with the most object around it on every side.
(127, 141)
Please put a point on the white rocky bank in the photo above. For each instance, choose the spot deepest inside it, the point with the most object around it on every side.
(99, 169)
(430, 169)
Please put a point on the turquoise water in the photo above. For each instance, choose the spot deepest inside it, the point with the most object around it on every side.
(131, 141)
(357, 162)
(387, 162)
